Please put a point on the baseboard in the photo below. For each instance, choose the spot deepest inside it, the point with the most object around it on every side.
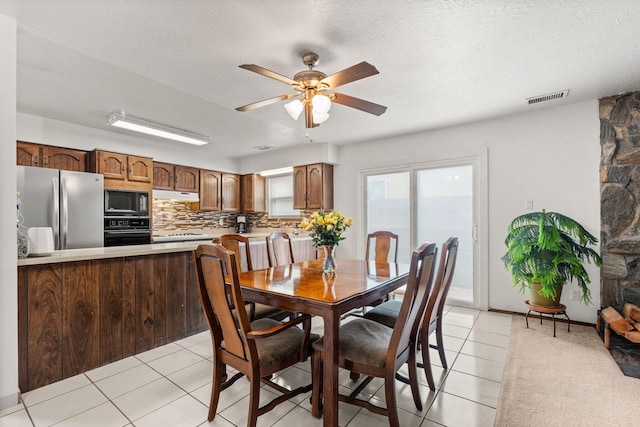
(9, 401)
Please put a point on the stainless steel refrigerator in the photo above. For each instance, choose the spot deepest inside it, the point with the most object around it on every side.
(71, 203)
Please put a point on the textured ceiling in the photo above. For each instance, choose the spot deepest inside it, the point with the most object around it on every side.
(441, 62)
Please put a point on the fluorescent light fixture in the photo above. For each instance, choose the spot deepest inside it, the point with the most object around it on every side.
(156, 129)
(294, 108)
(280, 171)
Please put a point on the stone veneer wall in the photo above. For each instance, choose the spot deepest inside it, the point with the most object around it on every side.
(620, 199)
(171, 215)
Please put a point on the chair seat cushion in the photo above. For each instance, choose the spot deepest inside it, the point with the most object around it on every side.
(386, 313)
(277, 347)
(362, 341)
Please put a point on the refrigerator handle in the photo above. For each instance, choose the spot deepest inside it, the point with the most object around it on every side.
(64, 214)
(56, 213)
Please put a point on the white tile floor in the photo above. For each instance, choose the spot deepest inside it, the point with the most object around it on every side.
(170, 386)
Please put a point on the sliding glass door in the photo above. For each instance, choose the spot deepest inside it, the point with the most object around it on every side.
(444, 209)
(430, 202)
(389, 208)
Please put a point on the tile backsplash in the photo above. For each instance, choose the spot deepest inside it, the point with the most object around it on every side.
(171, 215)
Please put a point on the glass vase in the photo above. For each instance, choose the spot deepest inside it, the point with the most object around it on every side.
(329, 263)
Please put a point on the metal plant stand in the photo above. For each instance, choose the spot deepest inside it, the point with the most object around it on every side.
(552, 311)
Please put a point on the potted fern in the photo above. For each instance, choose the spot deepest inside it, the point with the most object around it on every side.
(545, 250)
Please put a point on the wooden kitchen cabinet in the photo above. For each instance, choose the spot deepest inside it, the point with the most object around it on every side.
(253, 193)
(122, 170)
(47, 156)
(175, 177)
(313, 186)
(77, 316)
(210, 190)
(230, 192)
(219, 191)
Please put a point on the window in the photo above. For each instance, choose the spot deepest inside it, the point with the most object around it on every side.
(280, 196)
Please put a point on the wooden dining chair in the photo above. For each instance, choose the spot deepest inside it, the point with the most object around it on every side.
(279, 249)
(256, 349)
(383, 245)
(375, 350)
(388, 312)
(239, 245)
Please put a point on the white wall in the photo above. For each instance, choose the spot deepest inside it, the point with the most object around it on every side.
(550, 156)
(8, 264)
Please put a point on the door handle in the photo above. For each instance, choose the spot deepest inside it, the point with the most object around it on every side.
(474, 233)
(64, 214)
(55, 213)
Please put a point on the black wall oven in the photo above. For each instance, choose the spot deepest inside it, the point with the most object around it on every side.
(126, 218)
(120, 231)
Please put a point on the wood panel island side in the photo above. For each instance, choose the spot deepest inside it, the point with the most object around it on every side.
(84, 308)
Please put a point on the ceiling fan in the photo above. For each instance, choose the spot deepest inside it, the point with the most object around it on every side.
(313, 90)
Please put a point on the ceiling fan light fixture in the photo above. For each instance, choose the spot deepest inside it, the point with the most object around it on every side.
(294, 108)
(319, 118)
(321, 103)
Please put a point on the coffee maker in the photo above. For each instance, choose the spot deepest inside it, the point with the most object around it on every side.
(241, 224)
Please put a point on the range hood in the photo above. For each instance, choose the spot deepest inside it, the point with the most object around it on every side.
(182, 196)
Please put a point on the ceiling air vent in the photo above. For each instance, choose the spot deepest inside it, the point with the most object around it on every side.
(548, 97)
(263, 147)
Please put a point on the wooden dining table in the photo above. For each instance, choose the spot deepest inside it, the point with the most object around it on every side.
(302, 287)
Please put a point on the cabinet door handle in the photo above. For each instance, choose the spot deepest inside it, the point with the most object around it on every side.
(130, 170)
(175, 179)
(34, 160)
(45, 160)
(124, 169)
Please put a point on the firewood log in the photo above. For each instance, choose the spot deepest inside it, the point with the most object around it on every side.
(616, 321)
(631, 311)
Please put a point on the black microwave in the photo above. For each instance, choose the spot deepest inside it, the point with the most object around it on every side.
(123, 202)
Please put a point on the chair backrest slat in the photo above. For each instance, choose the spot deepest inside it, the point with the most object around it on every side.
(446, 268)
(414, 301)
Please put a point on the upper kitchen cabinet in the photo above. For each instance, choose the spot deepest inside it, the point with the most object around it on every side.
(175, 177)
(253, 193)
(219, 191)
(210, 190)
(122, 170)
(46, 156)
(230, 192)
(313, 186)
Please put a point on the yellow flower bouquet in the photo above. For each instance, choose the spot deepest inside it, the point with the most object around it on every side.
(326, 228)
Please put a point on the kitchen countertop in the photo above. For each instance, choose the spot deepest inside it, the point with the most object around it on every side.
(70, 255)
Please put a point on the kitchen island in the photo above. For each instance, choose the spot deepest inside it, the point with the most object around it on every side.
(80, 309)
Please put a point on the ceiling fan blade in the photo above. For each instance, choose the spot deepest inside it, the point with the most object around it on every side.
(360, 104)
(265, 102)
(268, 73)
(351, 74)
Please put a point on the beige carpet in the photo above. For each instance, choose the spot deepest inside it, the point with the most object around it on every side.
(570, 380)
